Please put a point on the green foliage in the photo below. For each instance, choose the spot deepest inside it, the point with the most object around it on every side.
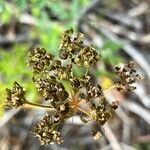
(21, 4)
(13, 67)
(49, 31)
(68, 11)
(109, 52)
(49, 36)
(5, 12)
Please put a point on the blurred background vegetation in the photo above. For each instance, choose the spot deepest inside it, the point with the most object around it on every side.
(119, 29)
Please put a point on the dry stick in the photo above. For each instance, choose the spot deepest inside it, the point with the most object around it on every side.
(137, 109)
(111, 138)
(143, 97)
(125, 119)
(124, 147)
(7, 116)
(139, 10)
(124, 23)
(131, 35)
(127, 147)
(126, 133)
(143, 139)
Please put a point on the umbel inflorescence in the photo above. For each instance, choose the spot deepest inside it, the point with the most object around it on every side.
(64, 92)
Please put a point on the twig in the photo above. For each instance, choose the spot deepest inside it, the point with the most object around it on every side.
(18, 39)
(143, 139)
(143, 97)
(126, 22)
(137, 109)
(8, 115)
(127, 147)
(122, 115)
(91, 8)
(111, 138)
(139, 10)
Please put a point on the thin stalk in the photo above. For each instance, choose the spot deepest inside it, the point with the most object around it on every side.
(34, 105)
(112, 87)
(78, 108)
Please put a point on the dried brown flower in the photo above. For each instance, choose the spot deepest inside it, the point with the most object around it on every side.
(15, 97)
(39, 59)
(64, 92)
(46, 131)
(126, 77)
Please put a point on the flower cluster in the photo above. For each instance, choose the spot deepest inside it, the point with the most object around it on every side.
(51, 90)
(64, 92)
(103, 111)
(73, 48)
(69, 45)
(46, 131)
(87, 57)
(15, 97)
(39, 59)
(126, 77)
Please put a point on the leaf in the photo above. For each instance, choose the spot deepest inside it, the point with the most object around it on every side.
(21, 4)
(68, 87)
(78, 71)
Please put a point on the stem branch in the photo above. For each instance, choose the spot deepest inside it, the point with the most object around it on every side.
(34, 105)
(112, 87)
(78, 108)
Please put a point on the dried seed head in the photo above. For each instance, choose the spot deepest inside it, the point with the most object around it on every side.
(115, 104)
(126, 77)
(87, 57)
(47, 132)
(96, 134)
(50, 76)
(70, 45)
(15, 97)
(38, 59)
